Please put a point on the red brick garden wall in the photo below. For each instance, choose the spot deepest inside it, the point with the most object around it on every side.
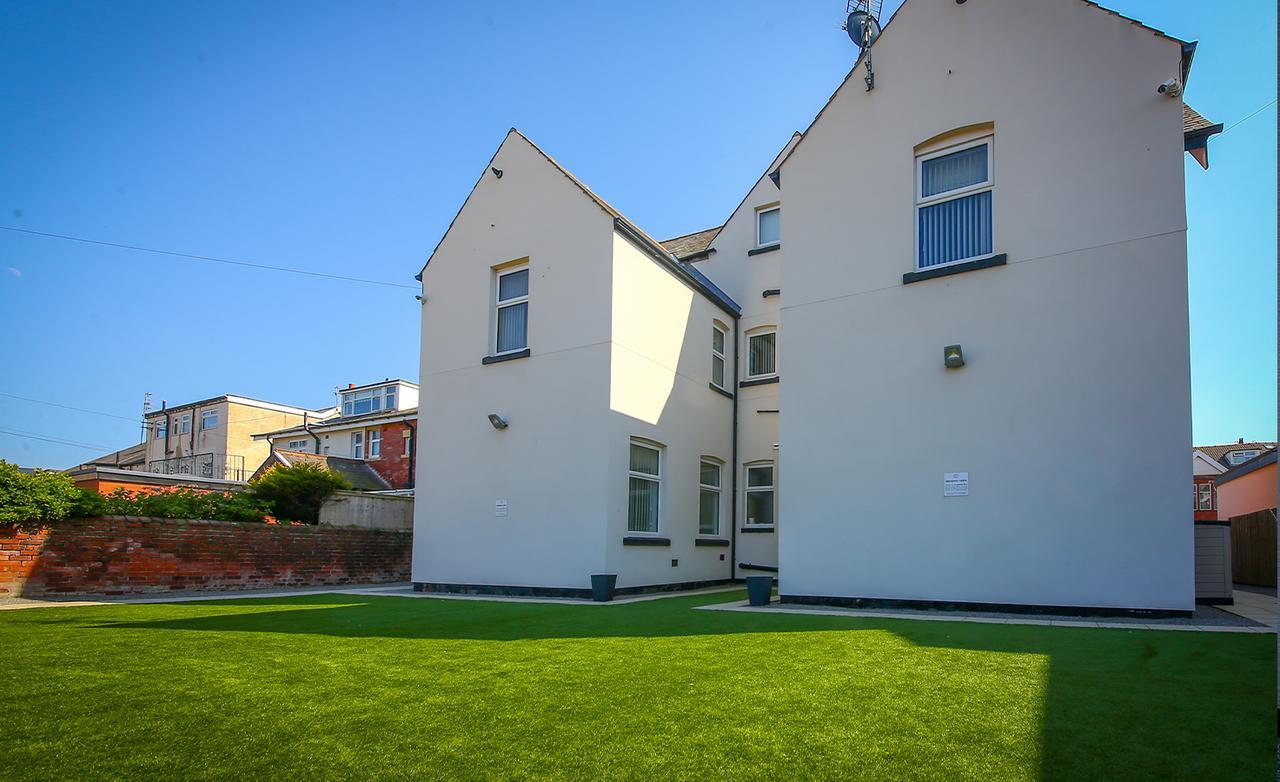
(120, 556)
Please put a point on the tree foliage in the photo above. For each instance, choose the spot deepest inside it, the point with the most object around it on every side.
(296, 492)
(34, 498)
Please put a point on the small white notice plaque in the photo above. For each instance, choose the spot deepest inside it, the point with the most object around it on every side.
(955, 484)
(500, 507)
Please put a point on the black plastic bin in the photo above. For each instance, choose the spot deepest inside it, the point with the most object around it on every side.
(602, 585)
(759, 590)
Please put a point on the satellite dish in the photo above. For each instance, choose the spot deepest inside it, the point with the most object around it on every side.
(863, 28)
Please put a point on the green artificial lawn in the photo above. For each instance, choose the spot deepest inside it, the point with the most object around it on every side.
(365, 687)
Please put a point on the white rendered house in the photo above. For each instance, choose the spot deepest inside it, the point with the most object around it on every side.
(980, 307)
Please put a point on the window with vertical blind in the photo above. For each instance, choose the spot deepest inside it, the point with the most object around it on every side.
(953, 205)
(717, 356)
(512, 317)
(762, 354)
(644, 483)
(709, 485)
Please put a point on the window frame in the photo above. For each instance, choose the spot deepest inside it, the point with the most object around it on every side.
(716, 328)
(205, 415)
(748, 489)
(922, 201)
(357, 444)
(762, 210)
(644, 476)
(374, 444)
(711, 461)
(760, 332)
(1200, 496)
(1244, 456)
(185, 424)
(500, 304)
(160, 430)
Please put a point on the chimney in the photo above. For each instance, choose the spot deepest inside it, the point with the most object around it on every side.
(1240, 441)
(353, 385)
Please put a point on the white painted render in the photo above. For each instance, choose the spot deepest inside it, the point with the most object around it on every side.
(1075, 351)
(551, 465)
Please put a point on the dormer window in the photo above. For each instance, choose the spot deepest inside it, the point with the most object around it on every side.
(368, 400)
(1240, 457)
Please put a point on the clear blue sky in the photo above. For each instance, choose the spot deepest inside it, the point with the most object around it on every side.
(342, 137)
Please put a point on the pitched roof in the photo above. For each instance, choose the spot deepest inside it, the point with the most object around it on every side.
(357, 471)
(1192, 120)
(134, 454)
(1188, 54)
(1218, 452)
(651, 246)
(689, 244)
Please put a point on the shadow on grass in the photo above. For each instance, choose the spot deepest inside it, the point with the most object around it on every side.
(1119, 703)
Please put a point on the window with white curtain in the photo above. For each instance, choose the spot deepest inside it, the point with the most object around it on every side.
(512, 317)
(644, 485)
(762, 354)
(953, 205)
(760, 494)
(375, 443)
(357, 444)
(709, 485)
(717, 356)
(768, 226)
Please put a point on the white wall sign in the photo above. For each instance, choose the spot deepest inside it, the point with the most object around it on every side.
(500, 507)
(955, 484)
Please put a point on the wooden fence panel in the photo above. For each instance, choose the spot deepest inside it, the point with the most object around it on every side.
(1253, 548)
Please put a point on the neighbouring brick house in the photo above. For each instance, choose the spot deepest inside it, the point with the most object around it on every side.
(372, 433)
(1211, 461)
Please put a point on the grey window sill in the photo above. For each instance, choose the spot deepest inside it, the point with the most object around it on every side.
(710, 542)
(645, 540)
(764, 381)
(959, 268)
(505, 357)
(759, 528)
(767, 249)
(719, 390)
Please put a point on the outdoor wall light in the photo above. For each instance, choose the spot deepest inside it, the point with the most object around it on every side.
(953, 356)
(498, 421)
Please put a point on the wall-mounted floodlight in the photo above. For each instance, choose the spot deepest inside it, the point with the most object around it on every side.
(498, 421)
(953, 356)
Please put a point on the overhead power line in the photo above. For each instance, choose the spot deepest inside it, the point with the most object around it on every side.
(1251, 114)
(133, 419)
(209, 258)
(50, 439)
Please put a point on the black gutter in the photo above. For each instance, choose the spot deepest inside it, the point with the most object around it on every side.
(306, 427)
(733, 504)
(413, 453)
(696, 281)
(765, 568)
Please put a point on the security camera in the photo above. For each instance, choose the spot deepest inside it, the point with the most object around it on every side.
(1170, 89)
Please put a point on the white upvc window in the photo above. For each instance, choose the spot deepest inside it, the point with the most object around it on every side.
(209, 420)
(375, 443)
(768, 226)
(184, 423)
(1204, 496)
(644, 488)
(296, 445)
(760, 500)
(161, 428)
(953, 204)
(368, 400)
(408, 441)
(709, 487)
(717, 356)
(357, 444)
(762, 354)
(511, 316)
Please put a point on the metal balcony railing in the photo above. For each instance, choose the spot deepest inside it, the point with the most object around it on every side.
(227, 467)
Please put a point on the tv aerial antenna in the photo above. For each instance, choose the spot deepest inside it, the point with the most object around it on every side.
(862, 23)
